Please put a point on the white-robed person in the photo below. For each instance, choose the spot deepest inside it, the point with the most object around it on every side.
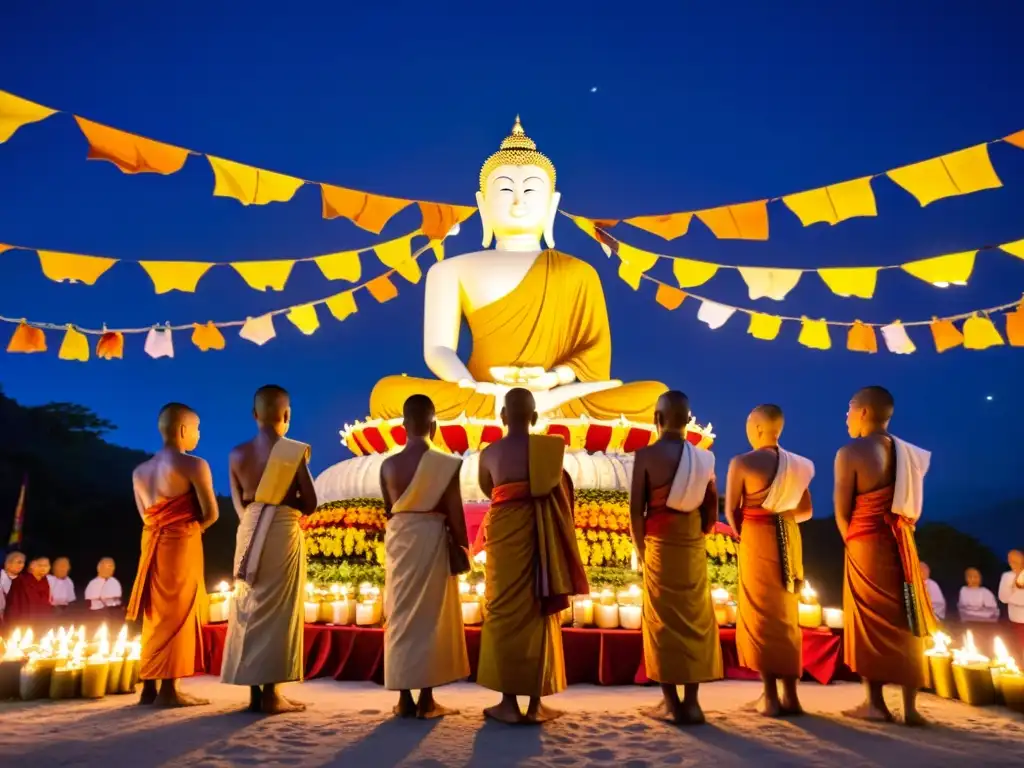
(104, 592)
(62, 588)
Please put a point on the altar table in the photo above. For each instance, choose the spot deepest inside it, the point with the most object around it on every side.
(596, 656)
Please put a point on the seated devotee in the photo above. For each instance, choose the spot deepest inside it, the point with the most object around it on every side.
(271, 487)
(533, 564)
(62, 589)
(174, 495)
(424, 639)
(934, 592)
(1011, 592)
(879, 493)
(767, 496)
(104, 592)
(28, 602)
(14, 564)
(673, 504)
(976, 603)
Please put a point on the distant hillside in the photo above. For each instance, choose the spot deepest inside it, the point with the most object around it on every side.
(80, 502)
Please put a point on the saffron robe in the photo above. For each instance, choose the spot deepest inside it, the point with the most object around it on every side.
(679, 628)
(533, 567)
(265, 619)
(424, 639)
(556, 316)
(168, 592)
(886, 614)
(28, 602)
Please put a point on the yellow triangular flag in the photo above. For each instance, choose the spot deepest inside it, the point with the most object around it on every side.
(250, 185)
(342, 305)
(943, 271)
(668, 226)
(814, 334)
(262, 275)
(634, 263)
(437, 246)
(769, 283)
(764, 327)
(340, 266)
(958, 173)
(274, 187)
(398, 256)
(834, 203)
(690, 273)
(1016, 248)
(981, 333)
(304, 318)
(75, 346)
(851, 281)
(16, 112)
(170, 276)
(73, 266)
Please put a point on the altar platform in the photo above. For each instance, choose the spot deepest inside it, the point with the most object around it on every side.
(595, 656)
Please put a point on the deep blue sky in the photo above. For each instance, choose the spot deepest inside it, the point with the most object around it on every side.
(694, 108)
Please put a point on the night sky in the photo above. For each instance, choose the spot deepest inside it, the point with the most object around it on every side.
(693, 108)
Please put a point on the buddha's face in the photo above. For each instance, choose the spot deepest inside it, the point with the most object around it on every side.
(517, 200)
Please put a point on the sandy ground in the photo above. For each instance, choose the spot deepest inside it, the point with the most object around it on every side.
(347, 724)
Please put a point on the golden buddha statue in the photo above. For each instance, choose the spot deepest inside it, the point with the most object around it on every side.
(537, 317)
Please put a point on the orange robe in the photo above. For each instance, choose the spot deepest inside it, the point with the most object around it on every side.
(168, 590)
(533, 567)
(886, 615)
(680, 631)
(768, 637)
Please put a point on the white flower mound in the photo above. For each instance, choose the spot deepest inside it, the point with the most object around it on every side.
(359, 477)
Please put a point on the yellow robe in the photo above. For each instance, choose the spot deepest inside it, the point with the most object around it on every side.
(555, 316)
(533, 565)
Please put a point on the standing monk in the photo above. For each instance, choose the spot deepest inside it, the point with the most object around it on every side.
(174, 494)
(533, 564)
(673, 503)
(766, 497)
(424, 640)
(879, 493)
(270, 487)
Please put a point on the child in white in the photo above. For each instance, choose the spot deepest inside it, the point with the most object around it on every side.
(976, 603)
(1010, 591)
(62, 589)
(104, 591)
(935, 595)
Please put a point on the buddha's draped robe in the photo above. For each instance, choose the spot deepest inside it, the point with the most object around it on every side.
(555, 316)
(28, 602)
(680, 632)
(885, 614)
(424, 639)
(533, 567)
(265, 619)
(168, 591)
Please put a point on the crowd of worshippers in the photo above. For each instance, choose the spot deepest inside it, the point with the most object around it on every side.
(976, 603)
(36, 592)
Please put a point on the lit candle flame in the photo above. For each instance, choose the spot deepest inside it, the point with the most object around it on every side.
(969, 653)
(12, 650)
(481, 557)
(807, 593)
(335, 590)
(463, 588)
(309, 591)
(46, 645)
(223, 587)
(634, 590)
(101, 634)
(481, 588)
(720, 595)
(633, 563)
(135, 650)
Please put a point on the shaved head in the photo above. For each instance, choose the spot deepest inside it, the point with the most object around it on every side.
(764, 425)
(672, 413)
(179, 426)
(272, 408)
(418, 416)
(878, 401)
(520, 409)
(1016, 559)
(171, 416)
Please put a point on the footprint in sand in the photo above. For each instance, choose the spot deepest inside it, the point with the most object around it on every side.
(600, 754)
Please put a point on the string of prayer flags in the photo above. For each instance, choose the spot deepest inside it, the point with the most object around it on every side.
(382, 289)
(633, 263)
(264, 275)
(897, 340)
(1015, 326)
(207, 336)
(850, 281)
(170, 276)
(834, 203)
(304, 318)
(764, 327)
(74, 346)
(258, 330)
(249, 185)
(73, 267)
(814, 334)
(16, 112)
(110, 346)
(342, 305)
(861, 338)
(670, 298)
(769, 283)
(131, 153)
(713, 314)
(945, 335)
(159, 343)
(27, 339)
(344, 265)
(396, 255)
(371, 212)
(958, 173)
(981, 333)
(943, 271)
(1015, 248)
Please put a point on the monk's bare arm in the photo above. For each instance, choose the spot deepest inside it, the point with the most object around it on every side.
(139, 503)
(638, 505)
(845, 488)
(202, 481)
(804, 510)
(236, 484)
(454, 512)
(709, 507)
(307, 491)
(484, 479)
(384, 488)
(734, 494)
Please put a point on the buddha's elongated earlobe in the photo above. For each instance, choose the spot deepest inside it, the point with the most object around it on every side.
(488, 230)
(549, 226)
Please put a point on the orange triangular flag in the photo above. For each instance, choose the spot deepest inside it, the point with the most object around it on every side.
(170, 276)
(1017, 139)
(131, 153)
(861, 338)
(382, 289)
(439, 218)
(27, 338)
(371, 212)
(1015, 327)
(669, 297)
(981, 333)
(668, 226)
(16, 112)
(342, 305)
(945, 335)
(110, 346)
(207, 336)
(75, 267)
(745, 221)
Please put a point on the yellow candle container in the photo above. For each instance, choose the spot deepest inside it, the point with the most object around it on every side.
(94, 677)
(941, 668)
(582, 612)
(974, 684)
(10, 678)
(606, 610)
(809, 609)
(566, 616)
(472, 613)
(35, 678)
(720, 601)
(220, 603)
(66, 682)
(114, 667)
(1012, 685)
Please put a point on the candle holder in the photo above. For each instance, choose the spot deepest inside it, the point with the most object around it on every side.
(66, 682)
(974, 684)
(566, 615)
(1012, 685)
(114, 667)
(606, 611)
(10, 678)
(94, 678)
(582, 612)
(35, 679)
(941, 666)
(833, 617)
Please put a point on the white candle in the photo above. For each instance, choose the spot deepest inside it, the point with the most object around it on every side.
(367, 614)
(311, 611)
(834, 618)
(606, 616)
(582, 612)
(629, 616)
(471, 613)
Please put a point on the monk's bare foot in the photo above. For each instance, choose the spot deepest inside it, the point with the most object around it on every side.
(914, 719)
(433, 710)
(148, 693)
(255, 699)
(791, 710)
(768, 707)
(276, 704)
(690, 714)
(173, 699)
(404, 709)
(505, 712)
(664, 711)
(870, 712)
(541, 714)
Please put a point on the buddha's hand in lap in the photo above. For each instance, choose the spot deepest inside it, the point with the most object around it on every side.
(546, 400)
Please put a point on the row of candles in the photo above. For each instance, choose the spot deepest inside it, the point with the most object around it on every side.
(339, 605)
(62, 665)
(974, 678)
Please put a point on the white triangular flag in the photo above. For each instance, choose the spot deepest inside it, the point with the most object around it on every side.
(159, 343)
(714, 314)
(258, 330)
(897, 340)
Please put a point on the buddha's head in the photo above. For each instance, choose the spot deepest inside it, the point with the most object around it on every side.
(517, 197)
